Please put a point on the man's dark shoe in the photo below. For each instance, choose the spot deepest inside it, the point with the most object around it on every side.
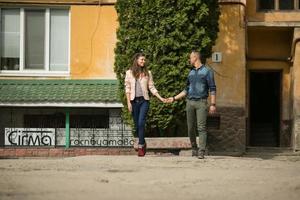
(195, 152)
(201, 154)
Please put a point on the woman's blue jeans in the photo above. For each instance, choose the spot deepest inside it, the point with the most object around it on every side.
(140, 108)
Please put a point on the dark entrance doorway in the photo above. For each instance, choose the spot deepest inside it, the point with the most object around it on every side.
(265, 90)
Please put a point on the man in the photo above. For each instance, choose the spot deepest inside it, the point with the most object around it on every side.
(200, 82)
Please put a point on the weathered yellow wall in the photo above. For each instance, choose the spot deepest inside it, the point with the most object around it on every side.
(270, 16)
(270, 44)
(267, 42)
(231, 83)
(296, 71)
(296, 90)
(93, 38)
(269, 49)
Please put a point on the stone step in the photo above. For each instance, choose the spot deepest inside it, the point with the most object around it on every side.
(269, 152)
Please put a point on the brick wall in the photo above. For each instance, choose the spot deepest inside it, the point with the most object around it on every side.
(230, 137)
(232, 133)
(9, 152)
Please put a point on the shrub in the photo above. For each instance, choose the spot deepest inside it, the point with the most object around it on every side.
(166, 31)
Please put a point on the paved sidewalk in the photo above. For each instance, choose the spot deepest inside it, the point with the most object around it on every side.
(152, 177)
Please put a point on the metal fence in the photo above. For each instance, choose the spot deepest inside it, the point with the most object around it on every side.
(49, 130)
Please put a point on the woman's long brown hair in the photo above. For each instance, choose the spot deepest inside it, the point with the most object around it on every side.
(136, 69)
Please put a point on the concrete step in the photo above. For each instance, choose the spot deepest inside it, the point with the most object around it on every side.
(271, 151)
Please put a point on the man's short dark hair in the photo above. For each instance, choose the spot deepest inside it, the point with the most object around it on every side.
(199, 55)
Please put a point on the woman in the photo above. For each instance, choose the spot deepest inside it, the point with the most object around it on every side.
(138, 81)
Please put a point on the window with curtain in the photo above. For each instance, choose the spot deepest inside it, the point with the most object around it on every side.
(35, 39)
(59, 40)
(286, 4)
(10, 39)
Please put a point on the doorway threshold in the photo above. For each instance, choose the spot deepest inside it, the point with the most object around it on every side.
(272, 151)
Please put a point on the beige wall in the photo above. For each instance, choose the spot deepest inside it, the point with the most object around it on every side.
(231, 42)
(93, 38)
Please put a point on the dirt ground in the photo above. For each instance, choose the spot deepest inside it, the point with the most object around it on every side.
(151, 177)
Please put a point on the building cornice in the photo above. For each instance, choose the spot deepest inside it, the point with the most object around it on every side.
(91, 2)
(273, 24)
(58, 2)
(64, 105)
(242, 2)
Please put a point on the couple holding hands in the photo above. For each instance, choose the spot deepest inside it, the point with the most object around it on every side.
(200, 82)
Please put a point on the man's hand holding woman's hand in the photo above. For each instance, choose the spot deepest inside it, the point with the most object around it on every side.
(163, 99)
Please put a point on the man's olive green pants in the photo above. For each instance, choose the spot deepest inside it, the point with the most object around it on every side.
(196, 112)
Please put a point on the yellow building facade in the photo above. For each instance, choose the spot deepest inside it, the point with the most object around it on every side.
(257, 75)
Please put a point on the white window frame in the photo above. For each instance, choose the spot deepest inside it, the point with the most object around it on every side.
(40, 72)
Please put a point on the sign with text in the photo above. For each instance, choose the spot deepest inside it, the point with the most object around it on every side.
(96, 137)
(30, 136)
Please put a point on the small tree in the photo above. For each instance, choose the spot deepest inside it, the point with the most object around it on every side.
(166, 31)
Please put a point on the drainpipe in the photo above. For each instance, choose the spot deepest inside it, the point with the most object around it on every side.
(294, 49)
(293, 113)
(67, 132)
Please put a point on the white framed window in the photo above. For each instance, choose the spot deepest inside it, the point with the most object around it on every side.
(35, 41)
